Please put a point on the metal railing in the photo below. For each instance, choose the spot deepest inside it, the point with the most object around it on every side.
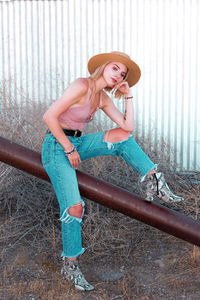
(108, 195)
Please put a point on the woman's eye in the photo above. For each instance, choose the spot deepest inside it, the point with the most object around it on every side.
(114, 68)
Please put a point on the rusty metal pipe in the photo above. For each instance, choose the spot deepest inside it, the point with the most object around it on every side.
(108, 195)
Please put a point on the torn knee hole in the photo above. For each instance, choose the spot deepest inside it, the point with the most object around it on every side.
(72, 213)
(76, 210)
(116, 135)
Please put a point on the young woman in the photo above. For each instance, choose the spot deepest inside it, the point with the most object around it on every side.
(64, 146)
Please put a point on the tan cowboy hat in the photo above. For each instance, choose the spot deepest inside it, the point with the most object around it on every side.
(134, 72)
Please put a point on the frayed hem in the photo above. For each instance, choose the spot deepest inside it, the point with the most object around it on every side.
(72, 256)
(142, 178)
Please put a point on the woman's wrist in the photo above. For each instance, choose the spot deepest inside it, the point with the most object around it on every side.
(128, 94)
(128, 97)
(70, 151)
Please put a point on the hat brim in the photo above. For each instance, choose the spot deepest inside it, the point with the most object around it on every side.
(134, 72)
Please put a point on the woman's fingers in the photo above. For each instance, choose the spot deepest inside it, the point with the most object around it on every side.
(75, 163)
(122, 85)
(74, 159)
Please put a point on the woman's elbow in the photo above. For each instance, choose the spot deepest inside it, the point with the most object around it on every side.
(45, 117)
(128, 127)
(131, 126)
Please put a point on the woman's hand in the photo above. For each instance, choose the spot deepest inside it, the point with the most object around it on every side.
(123, 87)
(74, 159)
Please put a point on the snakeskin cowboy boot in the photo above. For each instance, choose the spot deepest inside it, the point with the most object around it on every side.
(157, 185)
(72, 273)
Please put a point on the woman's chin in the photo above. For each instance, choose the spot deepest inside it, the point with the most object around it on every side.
(111, 85)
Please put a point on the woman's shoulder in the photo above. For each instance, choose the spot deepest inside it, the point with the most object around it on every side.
(105, 99)
(78, 87)
(81, 82)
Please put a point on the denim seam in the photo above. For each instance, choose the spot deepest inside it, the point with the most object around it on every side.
(48, 143)
(66, 217)
(131, 163)
(142, 176)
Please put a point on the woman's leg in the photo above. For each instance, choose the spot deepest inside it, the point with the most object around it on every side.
(64, 181)
(63, 178)
(116, 142)
(119, 142)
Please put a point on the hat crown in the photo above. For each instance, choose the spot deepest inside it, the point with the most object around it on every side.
(117, 56)
(121, 53)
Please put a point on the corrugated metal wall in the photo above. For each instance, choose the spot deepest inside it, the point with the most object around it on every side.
(44, 45)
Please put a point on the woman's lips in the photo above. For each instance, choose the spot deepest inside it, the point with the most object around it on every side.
(113, 80)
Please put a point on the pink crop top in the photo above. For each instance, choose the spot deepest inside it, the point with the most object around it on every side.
(76, 117)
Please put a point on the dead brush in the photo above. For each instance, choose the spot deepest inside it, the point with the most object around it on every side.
(110, 232)
(29, 211)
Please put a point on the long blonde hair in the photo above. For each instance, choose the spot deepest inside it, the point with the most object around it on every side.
(98, 73)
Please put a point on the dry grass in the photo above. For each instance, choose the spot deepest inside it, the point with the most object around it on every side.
(30, 238)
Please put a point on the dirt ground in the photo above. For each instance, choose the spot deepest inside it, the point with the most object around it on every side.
(124, 258)
(145, 264)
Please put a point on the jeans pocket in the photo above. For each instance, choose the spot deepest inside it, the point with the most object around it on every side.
(46, 152)
(58, 148)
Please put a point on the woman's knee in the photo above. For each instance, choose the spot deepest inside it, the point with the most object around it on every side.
(76, 210)
(116, 135)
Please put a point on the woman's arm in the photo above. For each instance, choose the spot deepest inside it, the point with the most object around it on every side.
(71, 96)
(124, 121)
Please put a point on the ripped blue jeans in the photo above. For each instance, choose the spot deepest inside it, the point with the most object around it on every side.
(63, 176)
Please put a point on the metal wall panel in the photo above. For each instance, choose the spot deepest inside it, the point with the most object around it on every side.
(44, 45)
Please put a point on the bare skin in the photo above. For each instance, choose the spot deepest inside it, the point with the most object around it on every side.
(76, 95)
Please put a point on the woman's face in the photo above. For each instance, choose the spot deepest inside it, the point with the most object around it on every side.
(114, 73)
